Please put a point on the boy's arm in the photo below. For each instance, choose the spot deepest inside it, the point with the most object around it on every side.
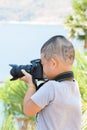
(29, 107)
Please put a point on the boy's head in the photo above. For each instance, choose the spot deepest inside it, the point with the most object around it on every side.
(59, 54)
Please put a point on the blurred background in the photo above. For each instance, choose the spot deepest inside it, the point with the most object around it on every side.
(35, 11)
(24, 27)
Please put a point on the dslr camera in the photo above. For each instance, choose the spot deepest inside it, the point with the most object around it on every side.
(35, 69)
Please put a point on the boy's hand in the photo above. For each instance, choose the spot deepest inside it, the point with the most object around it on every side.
(27, 77)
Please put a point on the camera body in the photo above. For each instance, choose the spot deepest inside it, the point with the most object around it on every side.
(35, 69)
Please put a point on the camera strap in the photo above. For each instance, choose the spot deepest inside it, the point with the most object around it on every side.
(64, 76)
(61, 77)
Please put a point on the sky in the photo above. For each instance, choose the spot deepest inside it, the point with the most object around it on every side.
(21, 43)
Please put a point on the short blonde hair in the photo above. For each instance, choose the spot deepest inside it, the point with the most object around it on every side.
(60, 46)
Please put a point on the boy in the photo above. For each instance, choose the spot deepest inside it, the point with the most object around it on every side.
(57, 102)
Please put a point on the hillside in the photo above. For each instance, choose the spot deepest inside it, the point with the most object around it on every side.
(37, 11)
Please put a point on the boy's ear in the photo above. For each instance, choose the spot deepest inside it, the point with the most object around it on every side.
(55, 62)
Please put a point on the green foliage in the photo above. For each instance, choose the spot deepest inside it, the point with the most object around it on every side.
(12, 94)
(84, 116)
(8, 124)
(80, 72)
(77, 22)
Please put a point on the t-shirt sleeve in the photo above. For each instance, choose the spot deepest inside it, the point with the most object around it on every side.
(44, 95)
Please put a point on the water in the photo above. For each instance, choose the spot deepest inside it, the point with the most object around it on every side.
(19, 41)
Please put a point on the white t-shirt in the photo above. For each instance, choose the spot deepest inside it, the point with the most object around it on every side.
(61, 106)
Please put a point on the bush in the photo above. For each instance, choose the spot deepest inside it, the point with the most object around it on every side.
(80, 72)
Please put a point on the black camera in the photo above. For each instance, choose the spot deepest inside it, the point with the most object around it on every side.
(35, 69)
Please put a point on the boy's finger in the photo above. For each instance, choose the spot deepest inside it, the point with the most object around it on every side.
(24, 72)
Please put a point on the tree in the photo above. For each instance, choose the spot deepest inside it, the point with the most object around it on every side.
(77, 22)
(12, 95)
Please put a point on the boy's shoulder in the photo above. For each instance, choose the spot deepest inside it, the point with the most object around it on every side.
(50, 84)
(59, 86)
